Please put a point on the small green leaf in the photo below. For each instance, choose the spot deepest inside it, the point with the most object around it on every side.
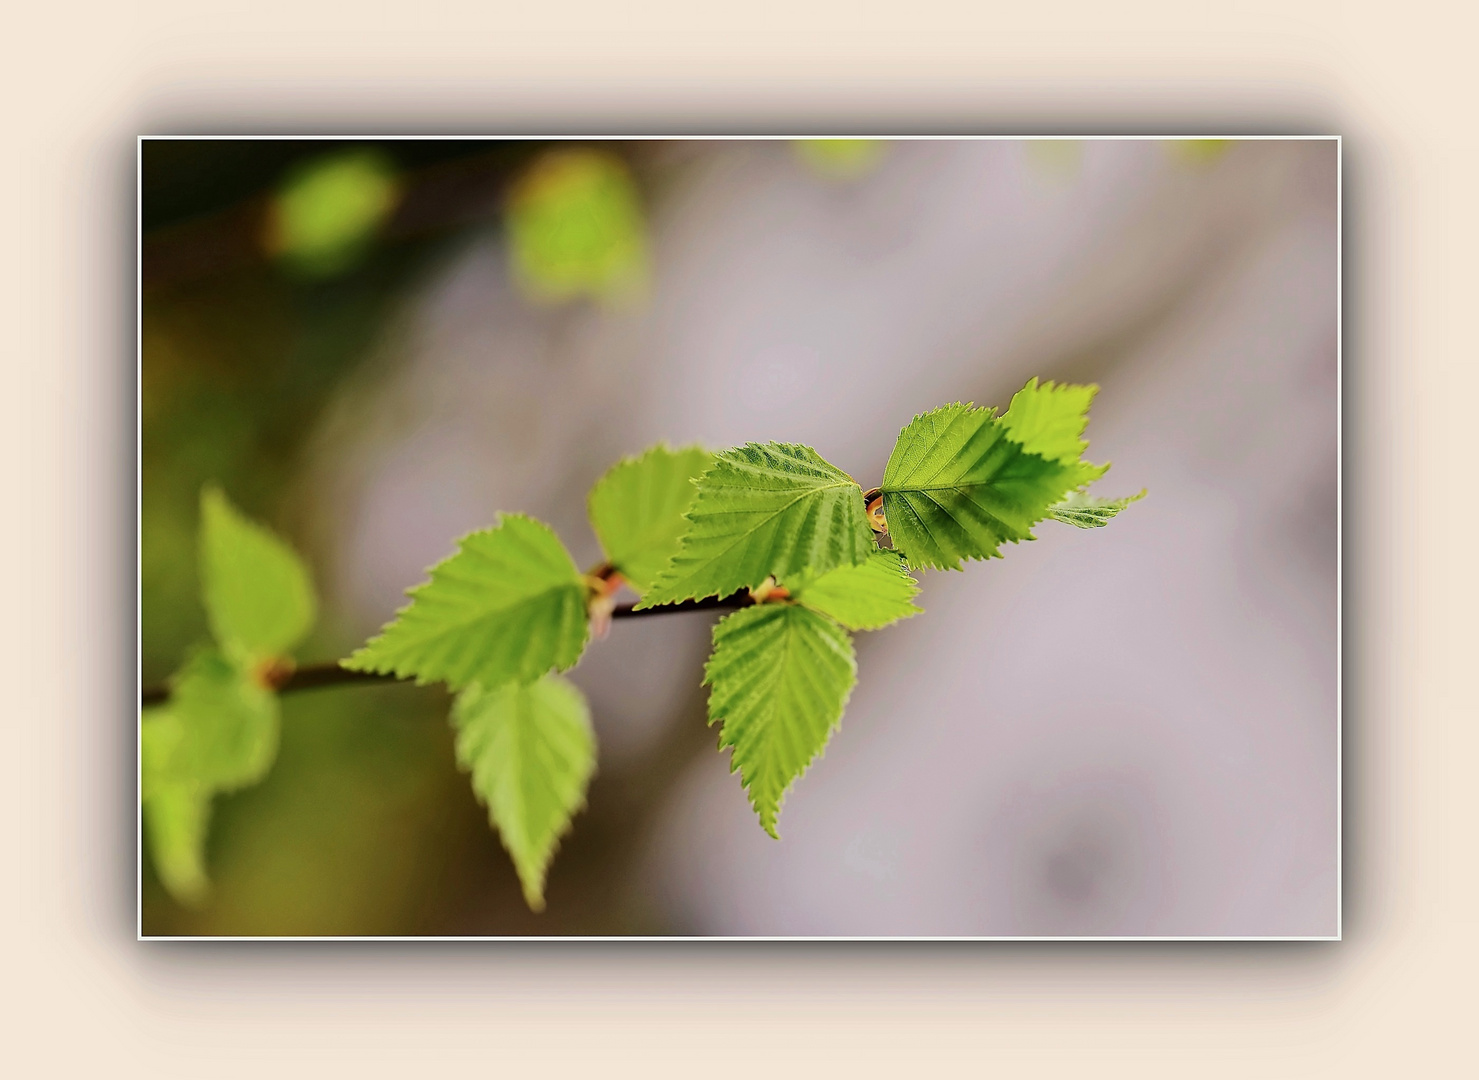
(219, 730)
(176, 820)
(575, 228)
(637, 509)
(763, 510)
(840, 159)
(1049, 420)
(1198, 152)
(1089, 511)
(509, 605)
(326, 215)
(868, 596)
(956, 486)
(531, 752)
(257, 593)
(218, 733)
(780, 678)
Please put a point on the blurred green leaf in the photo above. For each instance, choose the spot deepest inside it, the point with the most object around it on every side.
(1198, 152)
(637, 507)
(218, 733)
(257, 593)
(225, 726)
(1057, 158)
(326, 215)
(509, 605)
(780, 678)
(176, 820)
(840, 159)
(532, 752)
(771, 509)
(868, 596)
(576, 228)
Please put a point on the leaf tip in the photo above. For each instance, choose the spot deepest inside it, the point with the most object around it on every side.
(533, 889)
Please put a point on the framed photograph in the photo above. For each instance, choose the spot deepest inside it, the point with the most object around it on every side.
(716, 537)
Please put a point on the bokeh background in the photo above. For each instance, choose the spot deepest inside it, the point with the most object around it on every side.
(1130, 731)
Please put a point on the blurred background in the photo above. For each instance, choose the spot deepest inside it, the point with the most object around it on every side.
(378, 346)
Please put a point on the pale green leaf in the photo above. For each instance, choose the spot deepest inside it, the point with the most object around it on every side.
(840, 159)
(1089, 511)
(327, 213)
(956, 487)
(219, 732)
(1049, 420)
(1197, 152)
(780, 676)
(637, 509)
(532, 752)
(868, 596)
(763, 510)
(575, 228)
(509, 605)
(257, 593)
(176, 820)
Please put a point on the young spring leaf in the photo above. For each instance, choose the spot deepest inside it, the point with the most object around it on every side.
(637, 509)
(765, 510)
(868, 596)
(531, 752)
(840, 159)
(509, 605)
(257, 593)
(326, 216)
(218, 733)
(176, 820)
(780, 677)
(575, 227)
(1089, 511)
(956, 486)
(1049, 420)
(221, 727)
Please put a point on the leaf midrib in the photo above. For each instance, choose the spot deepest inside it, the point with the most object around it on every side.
(446, 627)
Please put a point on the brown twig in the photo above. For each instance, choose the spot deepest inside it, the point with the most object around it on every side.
(312, 676)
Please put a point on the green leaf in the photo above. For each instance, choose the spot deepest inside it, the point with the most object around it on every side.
(840, 159)
(219, 730)
(1049, 420)
(218, 733)
(509, 605)
(532, 753)
(780, 678)
(575, 227)
(257, 593)
(1197, 152)
(868, 596)
(637, 509)
(1089, 511)
(326, 215)
(956, 486)
(176, 820)
(763, 510)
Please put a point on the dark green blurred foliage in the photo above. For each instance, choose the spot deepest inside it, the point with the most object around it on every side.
(364, 825)
(240, 357)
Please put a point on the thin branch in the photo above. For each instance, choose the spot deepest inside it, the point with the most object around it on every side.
(312, 676)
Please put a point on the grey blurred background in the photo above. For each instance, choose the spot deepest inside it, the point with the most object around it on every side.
(1126, 731)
